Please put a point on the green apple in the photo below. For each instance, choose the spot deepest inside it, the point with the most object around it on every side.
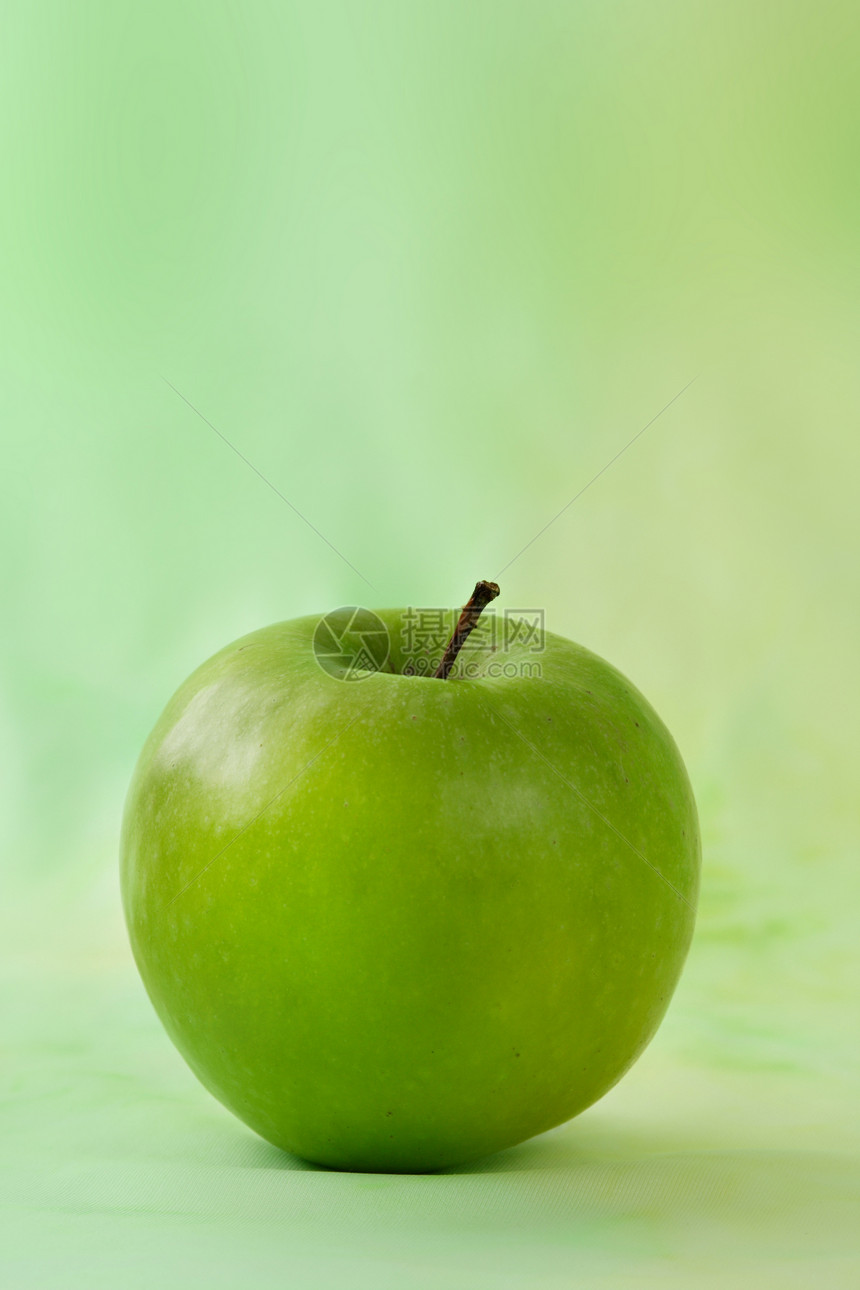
(396, 922)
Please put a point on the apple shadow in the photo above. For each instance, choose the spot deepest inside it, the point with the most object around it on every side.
(541, 1153)
(603, 1173)
(537, 1153)
(577, 1150)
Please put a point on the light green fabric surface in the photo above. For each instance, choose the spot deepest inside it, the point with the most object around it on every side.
(430, 267)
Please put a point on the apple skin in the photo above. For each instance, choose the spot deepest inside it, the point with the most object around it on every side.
(398, 924)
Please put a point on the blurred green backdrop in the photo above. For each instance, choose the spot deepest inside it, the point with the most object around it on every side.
(429, 267)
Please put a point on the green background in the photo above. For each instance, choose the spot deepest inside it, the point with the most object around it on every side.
(429, 267)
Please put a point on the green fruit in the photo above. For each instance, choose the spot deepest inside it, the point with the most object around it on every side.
(398, 923)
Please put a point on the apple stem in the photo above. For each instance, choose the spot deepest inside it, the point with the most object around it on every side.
(482, 595)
